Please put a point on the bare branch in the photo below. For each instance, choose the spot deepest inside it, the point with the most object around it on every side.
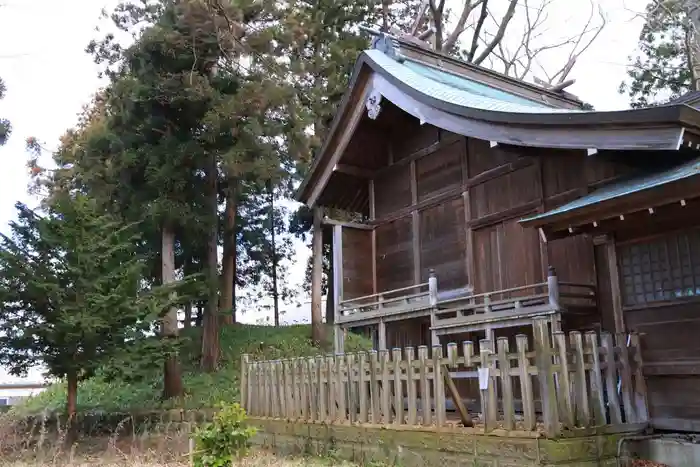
(436, 11)
(477, 30)
(575, 51)
(498, 37)
(419, 18)
(461, 23)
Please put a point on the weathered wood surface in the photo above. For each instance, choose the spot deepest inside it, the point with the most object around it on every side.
(577, 378)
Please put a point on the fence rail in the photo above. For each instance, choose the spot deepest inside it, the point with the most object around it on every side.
(575, 377)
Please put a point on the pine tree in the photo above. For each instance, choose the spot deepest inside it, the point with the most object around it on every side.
(71, 293)
(662, 68)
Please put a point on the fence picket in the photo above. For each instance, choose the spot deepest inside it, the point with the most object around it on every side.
(274, 398)
(374, 387)
(332, 400)
(321, 389)
(352, 388)
(438, 387)
(566, 409)
(468, 350)
(640, 386)
(506, 384)
(426, 414)
(606, 341)
(545, 376)
(583, 410)
(597, 391)
(626, 379)
(525, 382)
(385, 390)
(488, 395)
(412, 402)
(340, 388)
(362, 386)
(244, 391)
(398, 387)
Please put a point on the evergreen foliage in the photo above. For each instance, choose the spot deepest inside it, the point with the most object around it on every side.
(71, 289)
(661, 70)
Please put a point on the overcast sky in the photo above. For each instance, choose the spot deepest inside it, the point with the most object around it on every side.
(49, 77)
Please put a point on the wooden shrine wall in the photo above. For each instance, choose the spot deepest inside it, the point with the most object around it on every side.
(452, 204)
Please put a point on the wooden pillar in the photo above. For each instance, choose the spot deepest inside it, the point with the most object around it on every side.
(553, 291)
(339, 341)
(553, 287)
(373, 216)
(618, 314)
(415, 225)
(316, 277)
(381, 331)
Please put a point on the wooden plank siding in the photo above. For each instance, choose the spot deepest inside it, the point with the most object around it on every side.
(357, 271)
(452, 204)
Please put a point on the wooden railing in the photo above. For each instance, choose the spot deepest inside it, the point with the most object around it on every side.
(575, 380)
(464, 309)
(395, 300)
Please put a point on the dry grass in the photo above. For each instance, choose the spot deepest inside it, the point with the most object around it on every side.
(40, 444)
(109, 460)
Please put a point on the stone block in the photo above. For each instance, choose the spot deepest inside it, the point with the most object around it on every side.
(457, 442)
(607, 445)
(508, 448)
(347, 433)
(568, 450)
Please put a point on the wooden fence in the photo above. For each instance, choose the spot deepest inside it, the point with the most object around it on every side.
(583, 381)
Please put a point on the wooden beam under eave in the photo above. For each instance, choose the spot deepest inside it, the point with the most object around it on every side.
(349, 225)
(353, 120)
(354, 171)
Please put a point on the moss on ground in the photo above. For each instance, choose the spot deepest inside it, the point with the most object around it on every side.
(109, 395)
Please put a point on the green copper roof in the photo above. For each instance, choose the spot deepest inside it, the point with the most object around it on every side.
(625, 187)
(458, 90)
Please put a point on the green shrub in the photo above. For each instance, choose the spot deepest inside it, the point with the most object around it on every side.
(143, 389)
(224, 440)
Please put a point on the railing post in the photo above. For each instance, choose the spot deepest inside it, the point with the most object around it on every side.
(433, 288)
(553, 287)
(433, 293)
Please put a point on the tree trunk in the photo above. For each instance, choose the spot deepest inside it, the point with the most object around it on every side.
(228, 279)
(317, 329)
(210, 333)
(273, 248)
(188, 316)
(172, 375)
(71, 407)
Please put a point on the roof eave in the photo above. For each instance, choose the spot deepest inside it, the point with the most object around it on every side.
(302, 193)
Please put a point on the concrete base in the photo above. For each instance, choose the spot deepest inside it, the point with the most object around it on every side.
(673, 452)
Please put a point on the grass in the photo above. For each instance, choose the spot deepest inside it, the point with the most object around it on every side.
(42, 444)
(109, 395)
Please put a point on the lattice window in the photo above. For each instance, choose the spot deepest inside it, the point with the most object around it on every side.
(664, 268)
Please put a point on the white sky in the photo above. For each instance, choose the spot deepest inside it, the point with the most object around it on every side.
(49, 77)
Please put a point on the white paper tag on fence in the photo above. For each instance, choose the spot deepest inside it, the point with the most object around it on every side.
(483, 379)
